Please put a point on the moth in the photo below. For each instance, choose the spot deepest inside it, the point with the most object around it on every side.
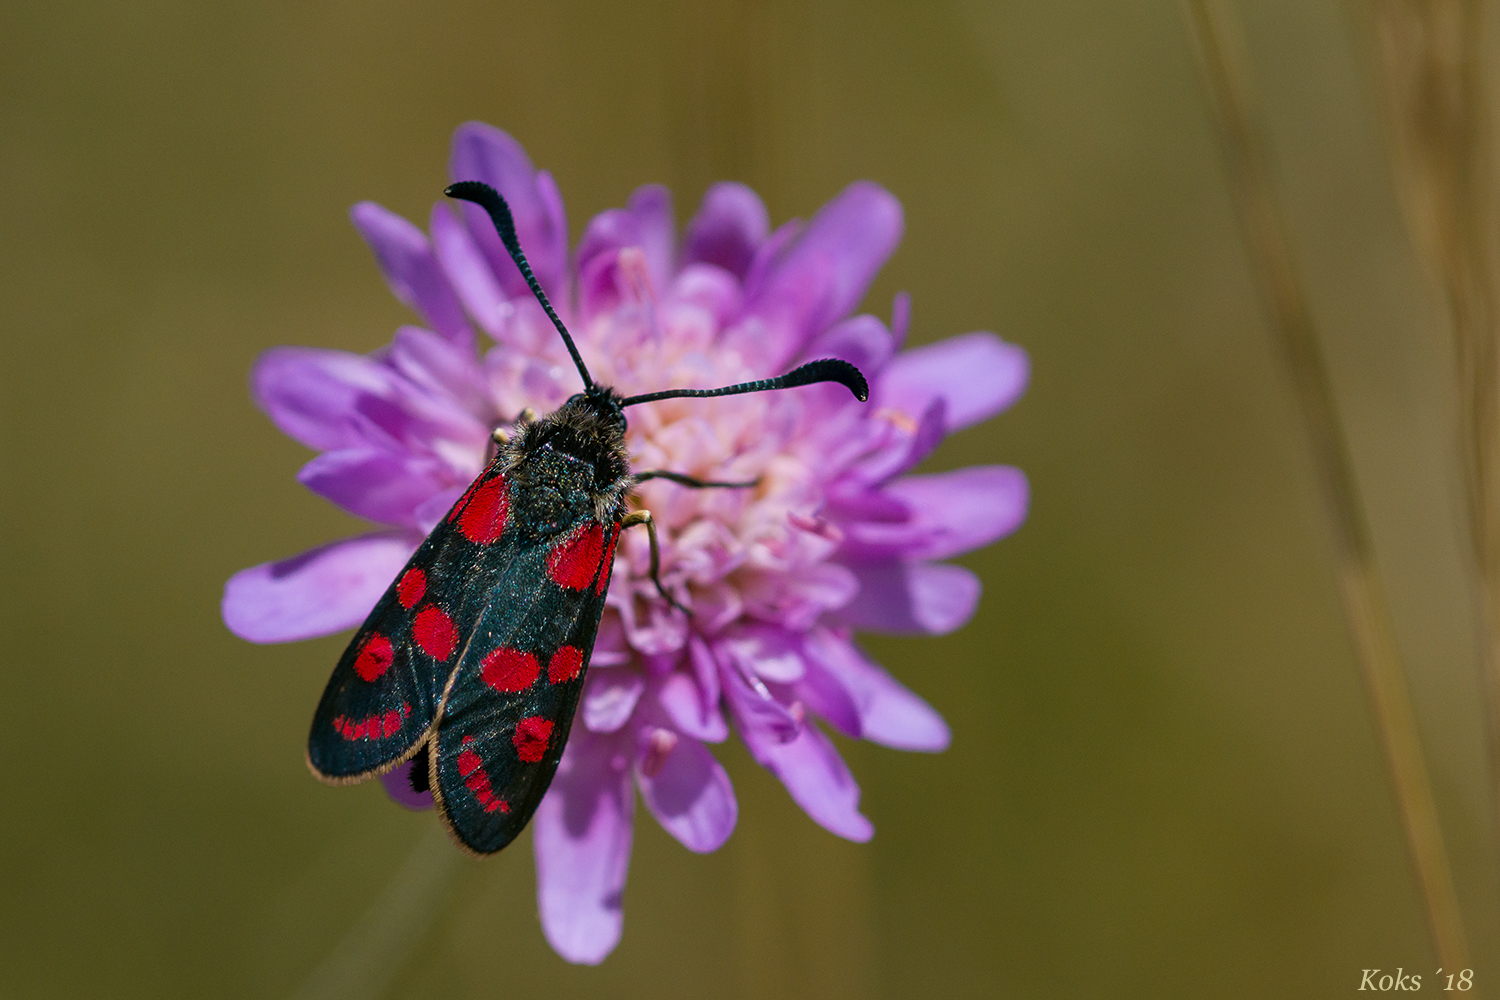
(474, 659)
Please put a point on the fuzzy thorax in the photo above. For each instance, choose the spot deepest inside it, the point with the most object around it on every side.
(589, 427)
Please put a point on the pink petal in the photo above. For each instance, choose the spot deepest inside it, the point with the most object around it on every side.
(889, 714)
(411, 270)
(769, 255)
(907, 447)
(610, 696)
(707, 288)
(551, 198)
(397, 785)
(601, 284)
(705, 669)
(333, 399)
(825, 693)
(691, 797)
(862, 340)
(767, 651)
(978, 374)
(798, 600)
(484, 153)
(430, 511)
(935, 598)
(310, 394)
(900, 317)
(951, 513)
(825, 274)
(683, 704)
(383, 486)
(645, 224)
(930, 432)
(582, 840)
(868, 506)
(758, 715)
(442, 368)
(729, 227)
(813, 772)
(321, 591)
(656, 232)
(408, 418)
(469, 271)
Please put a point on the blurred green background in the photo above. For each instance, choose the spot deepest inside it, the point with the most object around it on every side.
(1164, 780)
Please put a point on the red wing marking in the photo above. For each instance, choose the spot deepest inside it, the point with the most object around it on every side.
(609, 559)
(463, 501)
(471, 769)
(371, 727)
(509, 670)
(532, 734)
(374, 657)
(434, 633)
(573, 562)
(566, 663)
(483, 520)
(412, 586)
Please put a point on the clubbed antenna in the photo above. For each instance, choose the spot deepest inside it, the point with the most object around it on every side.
(489, 199)
(826, 370)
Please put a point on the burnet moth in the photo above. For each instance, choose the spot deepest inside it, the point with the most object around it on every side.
(473, 661)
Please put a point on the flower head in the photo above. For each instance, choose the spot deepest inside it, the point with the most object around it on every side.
(836, 535)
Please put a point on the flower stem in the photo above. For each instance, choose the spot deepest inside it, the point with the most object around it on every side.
(1354, 552)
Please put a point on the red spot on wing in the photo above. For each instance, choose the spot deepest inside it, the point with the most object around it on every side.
(372, 727)
(468, 762)
(609, 559)
(374, 657)
(471, 769)
(532, 734)
(509, 670)
(483, 520)
(565, 664)
(573, 562)
(434, 632)
(463, 501)
(411, 587)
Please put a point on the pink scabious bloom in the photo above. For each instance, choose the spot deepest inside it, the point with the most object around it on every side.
(836, 536)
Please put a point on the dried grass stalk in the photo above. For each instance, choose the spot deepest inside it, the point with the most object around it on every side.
(1354, 553)
(1431, 61)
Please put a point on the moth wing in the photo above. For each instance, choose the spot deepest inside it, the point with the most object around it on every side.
(506, 716)
(384, 693)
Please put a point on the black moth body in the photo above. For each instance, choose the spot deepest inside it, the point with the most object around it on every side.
(476, 655)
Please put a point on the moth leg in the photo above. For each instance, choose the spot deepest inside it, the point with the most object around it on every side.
(689, 481)
(634, 518)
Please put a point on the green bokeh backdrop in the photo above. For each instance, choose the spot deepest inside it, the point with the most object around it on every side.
(1163, 778)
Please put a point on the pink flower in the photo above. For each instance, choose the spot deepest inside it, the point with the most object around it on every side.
(837, 537)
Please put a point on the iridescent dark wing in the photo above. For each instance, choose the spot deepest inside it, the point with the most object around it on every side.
(383, 696)
(505, 717)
